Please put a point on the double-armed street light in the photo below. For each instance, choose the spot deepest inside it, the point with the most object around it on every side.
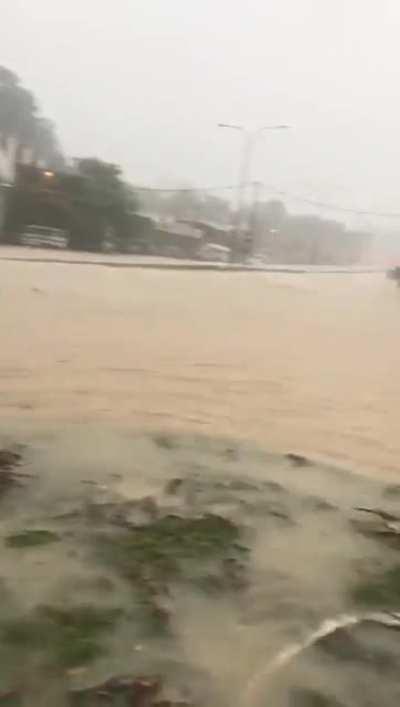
(250, 138)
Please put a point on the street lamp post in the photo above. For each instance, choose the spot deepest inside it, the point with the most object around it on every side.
(249, 143)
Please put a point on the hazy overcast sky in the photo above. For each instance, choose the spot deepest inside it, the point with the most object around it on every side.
(145, 82)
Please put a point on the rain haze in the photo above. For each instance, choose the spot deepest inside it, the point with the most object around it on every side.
(145, 84)
(199, 354)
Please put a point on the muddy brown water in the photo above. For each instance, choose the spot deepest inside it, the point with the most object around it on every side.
(303, 362)
(94, 360)
(304, 558)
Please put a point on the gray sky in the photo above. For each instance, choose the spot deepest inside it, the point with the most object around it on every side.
(144, 83)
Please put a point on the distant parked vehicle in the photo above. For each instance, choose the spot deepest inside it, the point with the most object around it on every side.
(43, 237)
(214, 252)
(256, 261)
(394, 274)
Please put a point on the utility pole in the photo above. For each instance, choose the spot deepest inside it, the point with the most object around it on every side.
(254, 224)
(249, 143)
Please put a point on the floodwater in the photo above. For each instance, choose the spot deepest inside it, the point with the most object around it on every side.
(228, 646)
(306, 363)
(235, 369)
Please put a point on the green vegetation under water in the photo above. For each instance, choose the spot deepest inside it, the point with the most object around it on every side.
(379, 590)
(31, 538)
(136, 558)
(64, 637)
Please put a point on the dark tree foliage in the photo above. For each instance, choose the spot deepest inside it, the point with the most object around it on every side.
(90, 204)
(19, 118)
(104, 208)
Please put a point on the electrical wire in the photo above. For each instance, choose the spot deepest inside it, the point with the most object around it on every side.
(279, 192)
(184, 189)
(333, 207)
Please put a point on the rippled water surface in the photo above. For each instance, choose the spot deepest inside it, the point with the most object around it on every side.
(306, 362)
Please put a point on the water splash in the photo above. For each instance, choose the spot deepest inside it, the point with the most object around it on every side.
(291, 651)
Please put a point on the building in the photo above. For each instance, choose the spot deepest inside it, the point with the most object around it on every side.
(3, 205)
(176, 240)
(13, 157)
(309, 240)
(8, 157)
(212, 233)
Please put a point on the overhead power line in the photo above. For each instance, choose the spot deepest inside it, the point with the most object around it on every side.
(279, 192)
(333, 207)
(185, 189)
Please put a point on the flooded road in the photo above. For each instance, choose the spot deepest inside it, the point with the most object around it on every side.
(150, 413)
(305, 363)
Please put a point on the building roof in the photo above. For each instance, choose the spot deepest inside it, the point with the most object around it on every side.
(199, 223)
(180, 229)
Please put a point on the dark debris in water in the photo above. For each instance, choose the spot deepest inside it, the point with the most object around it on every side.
(118, 691)
(121, 691)
(381, 525)
(231, 454)
(305, 697)
(9, 459)
(9, 477)
(273, 486)
(314, 503)
(235, 497)
(384, 515)
(298, 459)
(165, 441)
(173, 486)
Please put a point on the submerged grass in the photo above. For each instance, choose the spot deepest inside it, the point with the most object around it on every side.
(202, 552)
(381, 591)
(31, 538)
(152, 554)
(64, 637)
(159, 549)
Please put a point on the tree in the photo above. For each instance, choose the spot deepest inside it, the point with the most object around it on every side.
(19, 118)
(92, 205)
(37, 199)
(104, 205)
(46, 145)
(17, 108)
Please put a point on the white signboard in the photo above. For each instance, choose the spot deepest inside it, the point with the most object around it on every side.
(8, 155)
